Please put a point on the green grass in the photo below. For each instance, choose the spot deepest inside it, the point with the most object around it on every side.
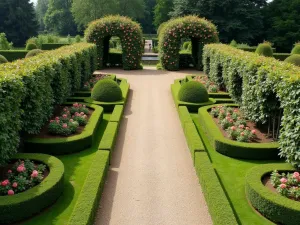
(76, 169)
(232, 173)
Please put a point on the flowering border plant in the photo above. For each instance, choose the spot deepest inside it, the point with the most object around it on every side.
(91, 82)
(210, 86)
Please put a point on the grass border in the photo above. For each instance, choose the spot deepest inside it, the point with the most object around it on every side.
(233, 148)
(272, 205)
(65, 145)
(32, 201)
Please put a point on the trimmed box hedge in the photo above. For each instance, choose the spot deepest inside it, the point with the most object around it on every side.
(116, 115)
(28, 203)
(52, 46)
(261, 86)
(233, 148)
(109, 137)
(253, 49)
(67, 145)
(272, 205)
(88, 200)
(12, 55)
(31, 87)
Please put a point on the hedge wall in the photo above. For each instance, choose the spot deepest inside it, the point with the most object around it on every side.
(30, 88)
(130, 33)
(52, 46)
(261, 86)
(199, 30)
(12, 55)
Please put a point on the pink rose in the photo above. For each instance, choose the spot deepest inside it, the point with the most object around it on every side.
(21, 168)
(57, 118)
(242, 134)
(282, 186)
(253, 131)
(4, 183)
(247, 128)
(228, 114)
(65, 116)
(283, 180)
(10, 192)
(296, 175)
(51, 121)
(241, 126)
(75, 105)
(65, 125)
(15, 184)
(82, 113)
(34, 173)
(9, 171)
(233, 128)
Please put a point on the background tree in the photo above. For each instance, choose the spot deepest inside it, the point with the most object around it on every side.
(41, 9)
(161, 11)
(132, 8)
(147, 21)
(18, 20)
(282, 25)
(59, 19)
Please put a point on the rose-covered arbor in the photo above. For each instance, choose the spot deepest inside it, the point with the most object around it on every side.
(131, 36)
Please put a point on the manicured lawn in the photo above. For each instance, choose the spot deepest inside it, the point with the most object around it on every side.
(76, 169)
(232, 174)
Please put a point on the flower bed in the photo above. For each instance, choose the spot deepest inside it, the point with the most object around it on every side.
(88, 86)
(26, 203)
(81, 139)
(270, 204)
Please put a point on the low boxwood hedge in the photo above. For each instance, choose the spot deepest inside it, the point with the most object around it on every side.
(116, 115)
(67, 145)
(26, 204)
(12, 55)
(109, 137)
(88, 200)
(272, 205)
(52, 46)
(233, 148)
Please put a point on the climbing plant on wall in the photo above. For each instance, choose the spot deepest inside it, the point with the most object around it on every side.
(199, 30)
(131, 36)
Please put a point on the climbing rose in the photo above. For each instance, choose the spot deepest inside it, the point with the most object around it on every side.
(15, 184)
(65, 116)
(9, 171)
(35, 173)
(282, 186)
(241, 126)
(242, 134)
(283, 180)
(296, 175)
(10, 192)
(21, 168)
(233, 128)
(4, 183)
(65, 125)
(253, 131)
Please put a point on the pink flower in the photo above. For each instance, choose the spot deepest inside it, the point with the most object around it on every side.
(241, 126)
(65, 125)
(228, 114)
(9, 171)
(76, 114)
(242, 134)
(80, 105)
(65, 109)
(71, 120)
(253, 131)
(21, 168)
(65, 116)
(57, 118)
(282, 186)
(233, 128)
(82, 113)
(247, 128)
(4, 183)
(51, 121)
(10, 192)
(283, 180)
(15, 184)
(75, 105)
(296, 175)
(34, 173)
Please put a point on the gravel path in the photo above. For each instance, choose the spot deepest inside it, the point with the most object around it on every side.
(151, 180)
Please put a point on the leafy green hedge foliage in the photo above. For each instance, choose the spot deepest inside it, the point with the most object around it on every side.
(264, 50)
(106, 90)
(296, 49)
(3, 59)
(31, 46)
(253, 49)
(12, 55)
(130, 33)
(34, 200)
(29, 89)
(199, 30)
(293, 59)
(193, 91)
(52, 46)
(260, 85)
(33, 52)
(272, 205)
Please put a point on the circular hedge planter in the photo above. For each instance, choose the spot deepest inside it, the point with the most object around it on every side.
(273, 206)
(28, 203)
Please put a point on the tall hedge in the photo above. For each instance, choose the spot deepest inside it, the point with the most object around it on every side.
(199, 30)
(131, 36)
(262, 86)
(30, 88)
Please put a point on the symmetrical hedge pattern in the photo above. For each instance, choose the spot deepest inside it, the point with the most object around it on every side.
(100, 31)
(30, 88)
(261, 86)
(199, 30)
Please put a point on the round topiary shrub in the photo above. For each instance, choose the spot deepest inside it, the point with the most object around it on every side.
(296, 49)
(33, 52)
(31, 46)
(3, 59)
(194, 92)
(264, 49)
(106, 90)
(293, 59)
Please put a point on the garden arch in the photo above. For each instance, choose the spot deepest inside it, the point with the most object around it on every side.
(199, 30)
(130, 33)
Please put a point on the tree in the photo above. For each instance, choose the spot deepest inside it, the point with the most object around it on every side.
(240, 20)
(59, 19)
(132, 8)
(161, 11)
(147, 21)
(282, 24)
(18, 20)
(41, 9)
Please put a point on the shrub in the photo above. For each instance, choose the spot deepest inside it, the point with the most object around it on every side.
(130, 33)
(77, 38)
(233, 43)
(33, 52)
(264, 49)
(4, 44)
(293, 59)
(296, 49)
(185, 45)
(194, 92)
(106, 90)
(31, 46)
(3, 59)
(199, 30)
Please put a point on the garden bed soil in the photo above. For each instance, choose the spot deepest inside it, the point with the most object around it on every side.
(57, 112)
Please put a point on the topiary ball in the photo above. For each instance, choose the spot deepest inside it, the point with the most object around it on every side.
(293, 59)
(33, 52)
(31, 46)
(264, 50)
(3, 59)
(194, 92)
(106, 90)
(296, 49)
